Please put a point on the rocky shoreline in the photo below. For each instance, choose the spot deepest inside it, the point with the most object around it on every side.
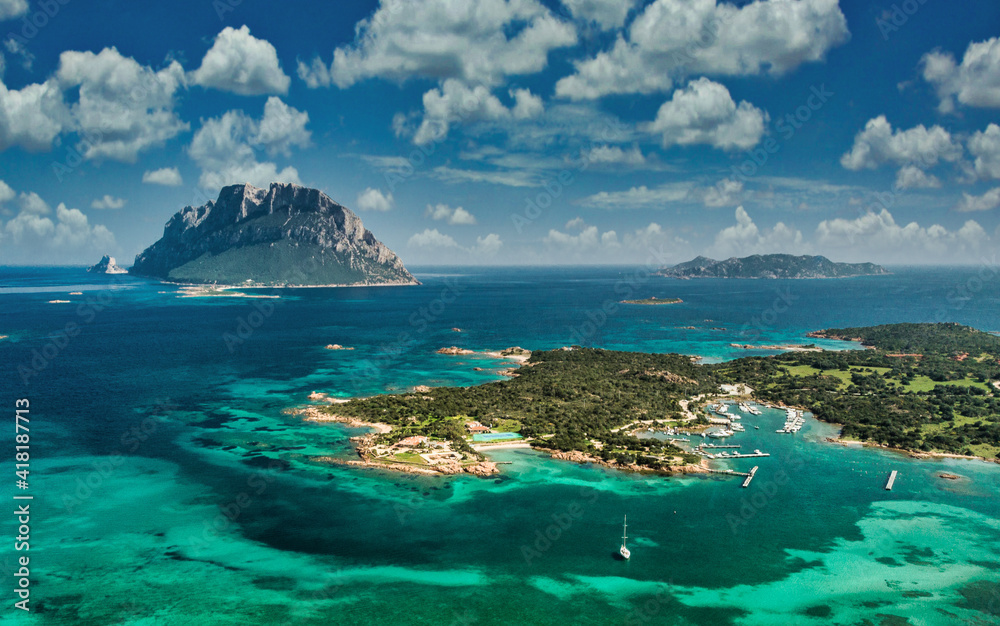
(582, 457)
(789, 347)
(482, 468)
(913, 454)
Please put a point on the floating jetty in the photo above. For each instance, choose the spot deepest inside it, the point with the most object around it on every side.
(746, 483)
(728, 472)
(793, 421)
(713, 445)
(892, 479)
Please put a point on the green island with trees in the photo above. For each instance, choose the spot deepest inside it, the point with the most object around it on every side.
(928, 388)
(654, 300)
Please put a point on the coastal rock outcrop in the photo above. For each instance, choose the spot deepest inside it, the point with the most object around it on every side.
(107, 265)
(455, 350)
(283, 236)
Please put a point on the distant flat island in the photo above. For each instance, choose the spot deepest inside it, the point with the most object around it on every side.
(653, 300)
(771, 266)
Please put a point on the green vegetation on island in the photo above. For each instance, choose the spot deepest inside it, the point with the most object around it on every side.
(563, 399)
(654, 300)
(920, 387)
(946, 400)
(771, 266)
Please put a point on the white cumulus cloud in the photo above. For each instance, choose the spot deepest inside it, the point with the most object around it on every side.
(985, 147)
(36, 236)
(878, 143)
(32, 117)
(454, 216)
(671, 40)
(374, 200)
(613, 155)
(986, 202)
(487, 246)
(6, 193)
(166, 176)
(639, 197)
(726, 192)
(456, 102)
(705, 113)
(973, 82)
(282, 127)
(240, 63)
(912, 177)
(608, 14)
(10, 9)
(477, 42)
(444, 248)
(226, 147)
(745, 238)
(877, 237)
(123, 108)
(432, 238)
(107, 202)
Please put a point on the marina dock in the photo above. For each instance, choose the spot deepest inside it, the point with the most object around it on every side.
(892, 479)
(727, 472)
(746, 483)
(712, 445)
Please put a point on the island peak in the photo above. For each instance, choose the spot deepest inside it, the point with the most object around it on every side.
(284, 236)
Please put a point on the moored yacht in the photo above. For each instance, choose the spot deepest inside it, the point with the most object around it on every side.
(625, 552)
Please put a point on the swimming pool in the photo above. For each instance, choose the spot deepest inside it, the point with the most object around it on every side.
(495, 436)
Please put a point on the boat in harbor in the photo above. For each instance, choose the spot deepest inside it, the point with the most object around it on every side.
(793, 421)
(721, 434)
(625, 552)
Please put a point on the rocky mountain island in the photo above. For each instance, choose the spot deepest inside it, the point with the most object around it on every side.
(107, 265)
(771, 266)
(283, 236)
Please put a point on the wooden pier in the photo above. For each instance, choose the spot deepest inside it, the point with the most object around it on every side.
(746, 483)
(727, 472)
(892, 479)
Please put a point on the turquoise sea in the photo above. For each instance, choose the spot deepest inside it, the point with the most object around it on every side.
(171, 485)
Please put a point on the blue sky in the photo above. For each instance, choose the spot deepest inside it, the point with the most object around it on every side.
(512, 131)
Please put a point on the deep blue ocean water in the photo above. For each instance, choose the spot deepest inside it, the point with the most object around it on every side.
(147, 509)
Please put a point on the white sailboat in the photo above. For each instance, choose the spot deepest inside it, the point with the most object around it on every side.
(625, 552)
